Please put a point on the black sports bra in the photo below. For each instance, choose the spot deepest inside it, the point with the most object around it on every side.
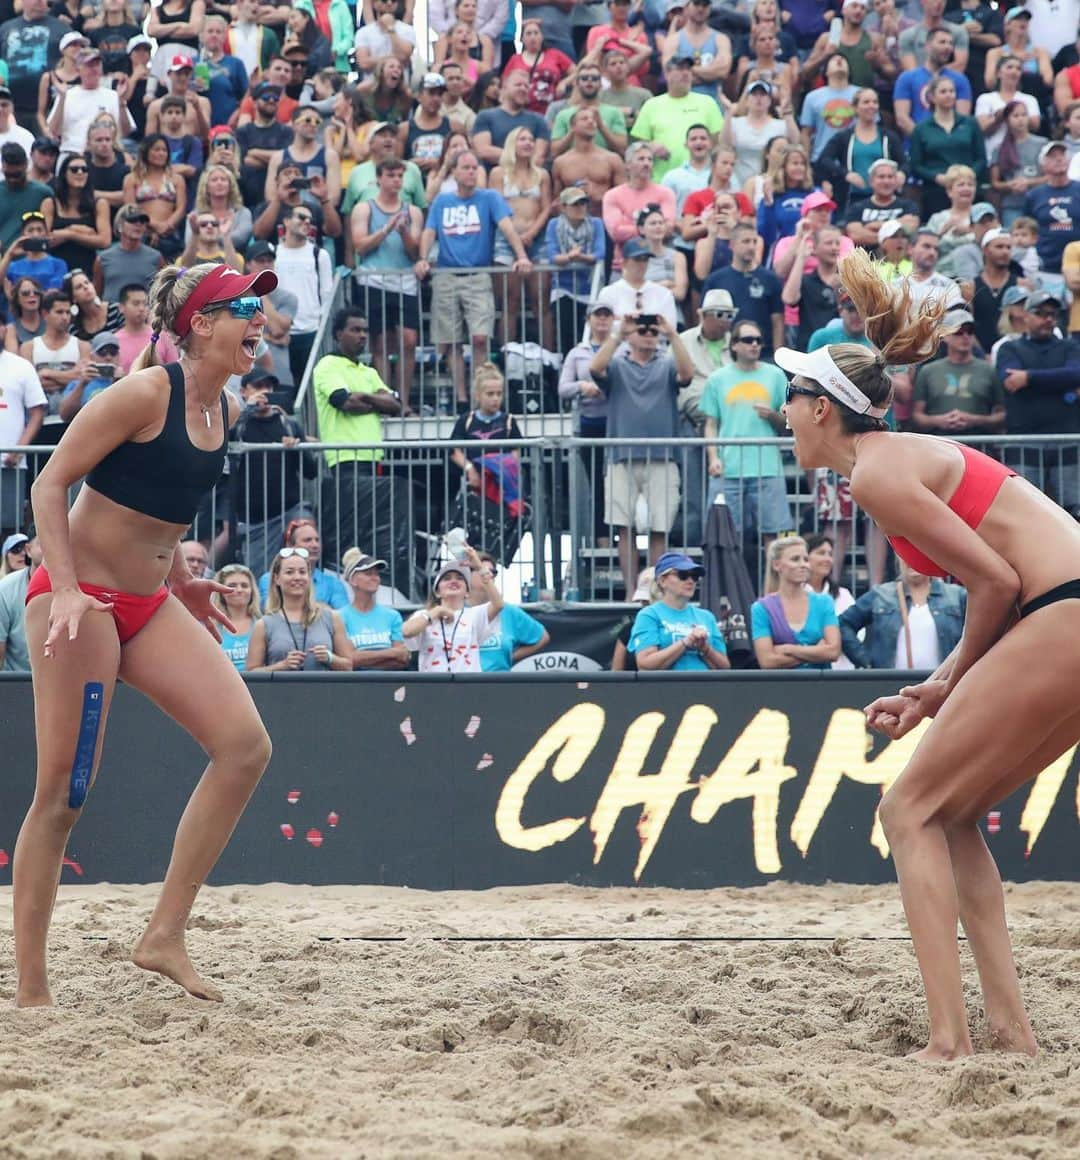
(167, 477)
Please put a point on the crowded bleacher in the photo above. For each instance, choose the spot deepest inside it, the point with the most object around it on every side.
(534, 261)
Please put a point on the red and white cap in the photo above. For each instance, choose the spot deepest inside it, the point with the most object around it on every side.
(222, 284)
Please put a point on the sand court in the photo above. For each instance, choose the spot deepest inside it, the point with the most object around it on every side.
(537, 1022)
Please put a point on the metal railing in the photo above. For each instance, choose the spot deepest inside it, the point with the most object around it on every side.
(550, 513)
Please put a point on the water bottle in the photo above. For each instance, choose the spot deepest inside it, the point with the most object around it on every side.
(456, 543)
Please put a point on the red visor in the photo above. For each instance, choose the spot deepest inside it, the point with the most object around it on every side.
(223, 284)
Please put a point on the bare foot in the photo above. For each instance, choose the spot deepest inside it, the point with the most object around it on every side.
(1018, 1040)
(931, 1053)
(26, 996)
(169, 957)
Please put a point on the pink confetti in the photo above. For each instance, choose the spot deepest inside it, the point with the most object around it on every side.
(485, 761)
(74, 866)
(332, 820)
(993, 822)
(293, 796)
(288, 831)
(399, 694)
(4, 858)
(407, 731)
(473, 726)
(314, 837)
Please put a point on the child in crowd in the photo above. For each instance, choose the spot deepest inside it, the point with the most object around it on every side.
(1025, 233)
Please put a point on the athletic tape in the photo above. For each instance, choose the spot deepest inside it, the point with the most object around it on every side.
(82, 768)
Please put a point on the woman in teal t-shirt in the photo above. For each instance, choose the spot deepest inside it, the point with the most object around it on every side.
(241, 606)
(670, 634)
(792, 627)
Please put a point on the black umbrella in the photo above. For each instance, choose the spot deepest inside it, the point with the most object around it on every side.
(726, 589)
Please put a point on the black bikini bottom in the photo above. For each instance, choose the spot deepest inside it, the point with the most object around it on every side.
(1070, 590)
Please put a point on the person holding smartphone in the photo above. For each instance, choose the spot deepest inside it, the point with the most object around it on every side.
(28, 257)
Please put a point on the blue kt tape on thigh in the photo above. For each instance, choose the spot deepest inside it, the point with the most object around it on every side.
(82, 768)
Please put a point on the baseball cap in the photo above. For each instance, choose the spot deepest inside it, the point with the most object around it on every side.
(13, 541)
(717, 300)
(596, 306)
(366, 563)
(433, 80)
(181, 62)
(5, 93)
(220, 131)
(759, 87)
(1049, 147)
(994, 234)
(261, 250)
(13, 152)
(643, 591)
(1018, 13)
(45, 145)
(891, 229)
(87, 55)
(379, 127)
(259, 375)
(132, 213)
(635, 248)
(981, 210)
(222, 284)
(572, 195)
(958, 318)
(266, 89)
(295, 48)
(817, 200)
(848, 4)
(103, 339)
(463, 570)
(1015, 295)
(70, 38)
(140, 41)
(1040, 298)
(677, 562)
(679, 61)
(882, 162)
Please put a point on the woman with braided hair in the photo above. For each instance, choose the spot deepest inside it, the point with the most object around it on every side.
(1003, 703)
(114, 598)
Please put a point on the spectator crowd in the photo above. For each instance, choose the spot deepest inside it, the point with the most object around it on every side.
(659, 193)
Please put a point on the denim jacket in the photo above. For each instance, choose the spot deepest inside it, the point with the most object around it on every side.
(878, 611)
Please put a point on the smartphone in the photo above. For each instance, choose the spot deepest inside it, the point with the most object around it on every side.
(836, 26)
(300, 183)
(36, 245)
(103, 370)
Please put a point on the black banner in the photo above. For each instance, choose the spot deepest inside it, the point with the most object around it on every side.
(663, 779)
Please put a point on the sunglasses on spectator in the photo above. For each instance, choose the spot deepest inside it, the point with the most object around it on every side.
(308, 121)
(792, 391)
(273, 98)
(245, 308)
(682, 574)
(753, 339)
(207, 223)
(303, 217)
(222, 142)
(648, 330)
(285, 553)
(78, 169)
(728, 315)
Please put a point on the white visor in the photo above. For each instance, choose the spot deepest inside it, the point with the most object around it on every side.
(820, 367)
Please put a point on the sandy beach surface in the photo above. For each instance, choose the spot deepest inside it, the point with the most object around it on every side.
(535, 1022)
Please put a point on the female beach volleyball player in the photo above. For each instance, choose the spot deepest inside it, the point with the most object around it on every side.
(1004, 702)
(115, 599)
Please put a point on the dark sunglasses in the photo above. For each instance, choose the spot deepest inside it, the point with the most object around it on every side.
(792, 391)
(222, 142)
(205, 225)
(684, 575)
(753, 339)
(273, 98)
(648, 330)
(727, 315)
(78, 169)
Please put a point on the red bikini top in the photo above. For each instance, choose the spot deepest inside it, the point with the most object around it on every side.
(976, 491)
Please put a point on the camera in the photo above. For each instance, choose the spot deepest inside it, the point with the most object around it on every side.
(35, 245)
(648, 320)
(300, 183)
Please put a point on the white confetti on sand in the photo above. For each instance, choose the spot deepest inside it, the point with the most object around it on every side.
(399, 694)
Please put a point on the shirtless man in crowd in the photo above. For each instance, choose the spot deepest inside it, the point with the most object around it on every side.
(584, 161)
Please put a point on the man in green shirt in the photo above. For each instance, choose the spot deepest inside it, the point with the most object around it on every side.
(362, 185)
(665, 120)
(20, 195)
(611, 128)
(350, 401)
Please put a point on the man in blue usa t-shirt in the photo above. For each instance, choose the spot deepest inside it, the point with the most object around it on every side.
(463, 304)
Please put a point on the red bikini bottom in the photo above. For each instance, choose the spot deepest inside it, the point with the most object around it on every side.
(129, 611)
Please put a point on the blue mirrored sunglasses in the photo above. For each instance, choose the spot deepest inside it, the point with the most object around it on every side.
(245, 308)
